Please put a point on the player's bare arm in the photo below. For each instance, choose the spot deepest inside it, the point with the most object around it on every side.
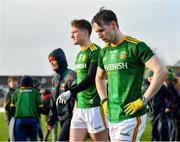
(101, 83)
(159, 76)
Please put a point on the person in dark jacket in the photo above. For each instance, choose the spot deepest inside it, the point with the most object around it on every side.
(160, 106)
(12, 85)
(175, 116)
(63, 79)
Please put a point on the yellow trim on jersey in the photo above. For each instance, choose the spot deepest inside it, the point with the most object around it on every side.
(84, 48)
(119, 42)
(92, 47)
(103, 117)
(12, 105)
(40, 106)
(25, 87)
(138, 122)
(133, 40)
(6, 103)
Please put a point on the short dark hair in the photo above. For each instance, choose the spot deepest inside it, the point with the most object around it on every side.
(82, 24)
(26, 81)
(104, 16)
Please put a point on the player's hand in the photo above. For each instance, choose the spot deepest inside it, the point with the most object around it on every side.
(133, 107)
(63, 98)
(104, 105)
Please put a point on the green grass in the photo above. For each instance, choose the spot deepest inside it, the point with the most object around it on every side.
(147, 133)
(4, 129)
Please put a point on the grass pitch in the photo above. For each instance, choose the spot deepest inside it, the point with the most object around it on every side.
(4, 129)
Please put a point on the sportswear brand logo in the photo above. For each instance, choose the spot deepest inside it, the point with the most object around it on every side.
(124, 134)
(116, 66)
(81, 66)
(98, 127)
(91, 101)
(112, 56)
(26, 90)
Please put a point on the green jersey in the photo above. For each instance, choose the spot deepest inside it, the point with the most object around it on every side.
(89, 97)
(26, 102)
(124, 65)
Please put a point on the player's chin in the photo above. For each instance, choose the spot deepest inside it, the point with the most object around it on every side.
(75, 42)
(106, 41)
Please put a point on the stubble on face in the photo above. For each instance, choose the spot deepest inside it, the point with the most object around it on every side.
(105, 32)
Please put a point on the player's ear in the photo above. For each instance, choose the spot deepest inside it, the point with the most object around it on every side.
(86, 32)
(114, 25)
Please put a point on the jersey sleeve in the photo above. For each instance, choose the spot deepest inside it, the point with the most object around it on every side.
(144, 52)
(100, 60)
(94, 56)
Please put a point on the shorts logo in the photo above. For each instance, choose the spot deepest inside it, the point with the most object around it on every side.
(123, 55)
(98, 127)
(124, 134)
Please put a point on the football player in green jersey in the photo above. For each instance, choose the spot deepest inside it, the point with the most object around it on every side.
(25, 106)
(87, 115)
(123, 61)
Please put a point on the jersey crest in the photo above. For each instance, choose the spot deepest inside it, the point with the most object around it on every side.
(123, 54)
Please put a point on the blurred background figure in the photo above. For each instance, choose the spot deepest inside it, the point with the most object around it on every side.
(160, 106)
(12, 85)
(25, 106)
(37, 86)
(174, 117)
(46, 97)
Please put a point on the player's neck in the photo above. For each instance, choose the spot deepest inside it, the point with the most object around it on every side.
(85, 44)
(118, 36)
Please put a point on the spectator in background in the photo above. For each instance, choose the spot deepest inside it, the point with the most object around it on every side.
(175, 117)
(161, 105)
(12, 85)
(46, 97)
(25, 105)
(63, 79)
(37, 86)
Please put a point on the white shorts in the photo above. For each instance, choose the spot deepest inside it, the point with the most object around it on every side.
(128, 130)
(92, 119)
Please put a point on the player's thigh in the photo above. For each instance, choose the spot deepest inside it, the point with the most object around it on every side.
(96, 121)
(128, 130)
(100, 136)
(77, 134)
